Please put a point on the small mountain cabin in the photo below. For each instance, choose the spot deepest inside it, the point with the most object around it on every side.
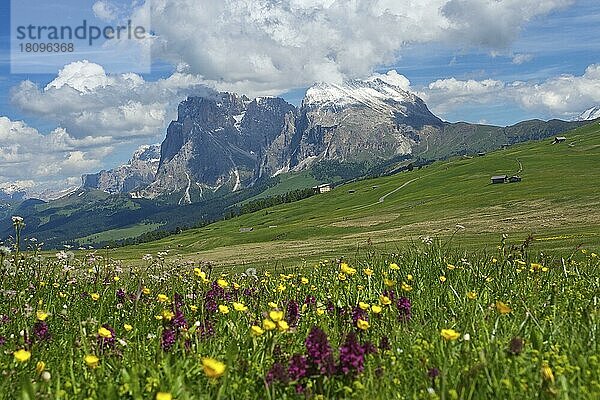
(326, 187)
(499, 179)
(514, 179)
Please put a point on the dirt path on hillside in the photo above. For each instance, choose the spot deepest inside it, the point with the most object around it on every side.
(382, 198)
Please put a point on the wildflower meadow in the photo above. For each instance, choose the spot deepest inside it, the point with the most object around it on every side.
(428, 322)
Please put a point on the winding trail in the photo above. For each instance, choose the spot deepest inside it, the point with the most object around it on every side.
(520, 166)
(382, 198)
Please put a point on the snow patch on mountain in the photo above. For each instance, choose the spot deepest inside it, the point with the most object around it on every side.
(589, 114)
(381, 93)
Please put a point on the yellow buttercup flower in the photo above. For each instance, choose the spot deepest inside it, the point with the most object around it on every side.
(406, 287)
(41, 315)
(162, 298)
(409, 277)
(95, 296)
(146, 291)
(368, 271)
(116, 279)
(222, 283)
(213, 368)
(346, 269)
(389, 282)
(536, 266)
(450, 334)
(239, 307)
(376, 309)
(269, 325)
(256, 330)
(394, 266)
(363, 306)
(22, 355)
(304, 280)
(104, 333)
(276, 315)
(273, 305)
(320, 311)
(168, 315)
(450, 267)
(362, 324)
(91, 360)
(223, 309)
(471, 295)
(282, 326)
(40, 367)
(442, 279)
(503, 308)
(385, 300)
(128, 327)
(164, 396)
(547, 373)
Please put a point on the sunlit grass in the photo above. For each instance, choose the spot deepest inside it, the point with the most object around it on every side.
(430, 321)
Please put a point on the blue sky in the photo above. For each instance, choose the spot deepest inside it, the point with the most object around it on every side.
(499, 63)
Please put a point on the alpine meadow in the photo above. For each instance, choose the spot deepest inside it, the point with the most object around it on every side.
(300, 199)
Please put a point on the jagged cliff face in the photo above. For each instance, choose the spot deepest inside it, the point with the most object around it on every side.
(136, 174)
(359, 120)
(227, 142)
(217, 143)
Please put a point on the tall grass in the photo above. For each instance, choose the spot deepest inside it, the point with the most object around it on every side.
(430, 321)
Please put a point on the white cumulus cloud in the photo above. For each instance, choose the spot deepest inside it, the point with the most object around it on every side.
(105, 10)
(267, 47)
(88, 102)
(563, 96)
(49, 160)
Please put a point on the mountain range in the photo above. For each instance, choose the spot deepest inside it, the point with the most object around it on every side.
(225, 149)
(227, 142)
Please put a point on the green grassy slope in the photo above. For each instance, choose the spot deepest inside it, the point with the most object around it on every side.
(557, 202)
(290, 181)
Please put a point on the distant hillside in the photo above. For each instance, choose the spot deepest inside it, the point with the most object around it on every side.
(82, 216)
(552, 202)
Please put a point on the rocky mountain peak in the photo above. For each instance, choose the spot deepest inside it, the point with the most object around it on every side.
(217, 142)
(589, 114)
(380, 92)
(137, 173)
(224, 141)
